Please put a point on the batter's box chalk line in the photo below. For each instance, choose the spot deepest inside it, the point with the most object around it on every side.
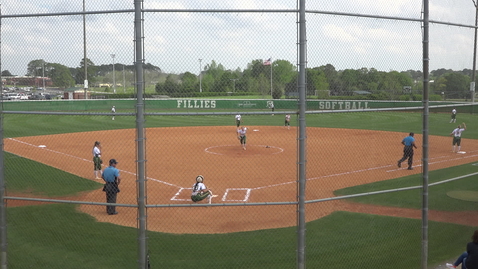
(175, 197)
(224, 197)
(246, 196)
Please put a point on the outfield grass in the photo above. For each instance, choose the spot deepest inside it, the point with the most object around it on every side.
(59, 236)
(16, 125)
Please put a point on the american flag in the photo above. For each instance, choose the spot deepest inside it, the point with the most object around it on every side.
(267, 62)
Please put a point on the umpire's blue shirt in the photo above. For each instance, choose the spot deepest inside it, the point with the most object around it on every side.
(407, 140)
(110, 174)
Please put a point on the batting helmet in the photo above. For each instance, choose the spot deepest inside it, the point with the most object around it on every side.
(199, 179)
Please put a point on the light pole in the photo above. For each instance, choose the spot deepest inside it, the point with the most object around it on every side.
(124, 82)
(114, 81)
(234, 85)
(43, 74)
(200, 72)
(38, 75)
(84, 54)
(474, 56)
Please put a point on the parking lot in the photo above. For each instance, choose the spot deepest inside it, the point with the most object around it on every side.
(29, 93)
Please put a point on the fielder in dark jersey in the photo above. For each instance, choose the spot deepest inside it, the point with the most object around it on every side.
(409, 144)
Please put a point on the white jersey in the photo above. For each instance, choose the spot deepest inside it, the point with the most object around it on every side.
(453, 112)
(242, 132)
(457, 132)
(238, 117)
(96, 152)
(198, 188)
(287, 117)
(113, 109)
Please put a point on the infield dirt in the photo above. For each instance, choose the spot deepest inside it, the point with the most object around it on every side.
(265, 172)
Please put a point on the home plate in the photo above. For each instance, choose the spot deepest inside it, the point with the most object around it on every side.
(255, 130)
(42, 146)
(461, 152)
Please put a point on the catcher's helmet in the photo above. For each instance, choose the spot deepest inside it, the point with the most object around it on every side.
(199, 179)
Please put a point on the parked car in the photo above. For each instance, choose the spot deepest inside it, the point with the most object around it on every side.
(36, 97)
(11, 96)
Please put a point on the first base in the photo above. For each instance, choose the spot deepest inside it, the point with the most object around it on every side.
(42, 146)
(461, 152)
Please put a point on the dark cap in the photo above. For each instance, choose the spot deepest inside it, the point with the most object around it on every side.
(412, 134)
(97, 142)
(113, 161)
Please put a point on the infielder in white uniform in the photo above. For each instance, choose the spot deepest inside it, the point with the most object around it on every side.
(456, 133)
(241, 135)
(113, 110)
(97, 159)
(453, 116)
(238, 120)
(287, 121)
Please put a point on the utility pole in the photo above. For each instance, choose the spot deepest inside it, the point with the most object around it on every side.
(43, 74)
(124, 82)
(84, 54)
(234, 85)
(472, 86)
(200, 72)
(114, 81)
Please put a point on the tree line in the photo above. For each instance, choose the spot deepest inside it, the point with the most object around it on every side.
(323, 82)
(278, 78)
(65, 77)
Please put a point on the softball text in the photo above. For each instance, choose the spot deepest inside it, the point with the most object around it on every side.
(342, 105)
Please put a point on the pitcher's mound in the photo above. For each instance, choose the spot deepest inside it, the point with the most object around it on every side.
(236, 150)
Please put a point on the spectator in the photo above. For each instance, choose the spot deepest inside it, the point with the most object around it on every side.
(469, 258)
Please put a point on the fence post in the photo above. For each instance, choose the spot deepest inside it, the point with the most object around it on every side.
(141, 176)
(302, 140)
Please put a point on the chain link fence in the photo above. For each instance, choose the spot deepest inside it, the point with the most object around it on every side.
(315, 180)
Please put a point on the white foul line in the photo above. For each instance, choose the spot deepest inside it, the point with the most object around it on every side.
(257, 188)
(447, 160)
(82, 159)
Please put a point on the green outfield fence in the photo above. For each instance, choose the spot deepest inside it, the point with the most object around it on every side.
(104, 105)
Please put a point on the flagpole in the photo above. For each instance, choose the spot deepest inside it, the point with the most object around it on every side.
(271, 79)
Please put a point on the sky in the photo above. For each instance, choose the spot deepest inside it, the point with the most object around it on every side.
(179, 42)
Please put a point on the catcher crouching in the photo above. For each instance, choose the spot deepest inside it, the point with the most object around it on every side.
(200, 191)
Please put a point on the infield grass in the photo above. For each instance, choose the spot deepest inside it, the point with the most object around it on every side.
(44, 237)
(27, 176)
(437, 199)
